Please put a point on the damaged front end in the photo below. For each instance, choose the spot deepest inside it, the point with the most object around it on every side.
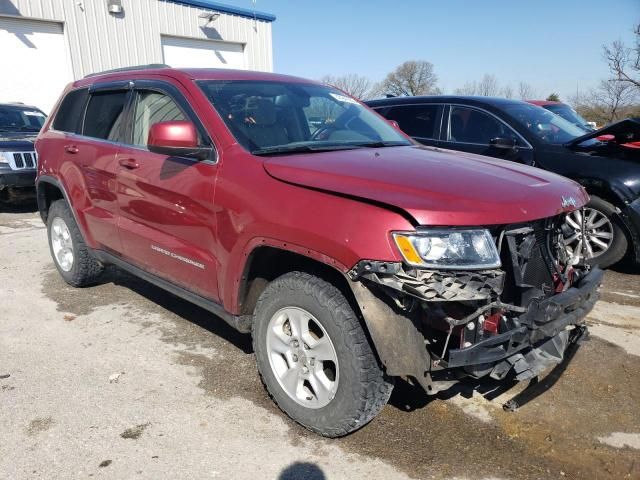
(518, 318)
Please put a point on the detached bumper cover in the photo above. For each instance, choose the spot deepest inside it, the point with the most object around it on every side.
(542, 330)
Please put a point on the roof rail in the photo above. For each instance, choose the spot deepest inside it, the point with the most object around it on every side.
(150, 66)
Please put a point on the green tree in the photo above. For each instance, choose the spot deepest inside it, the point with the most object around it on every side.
(554, 97)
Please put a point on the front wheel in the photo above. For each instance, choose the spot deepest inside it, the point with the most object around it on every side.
(314, 357)
(605, 242)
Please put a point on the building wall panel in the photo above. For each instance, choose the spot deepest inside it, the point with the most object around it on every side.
(100, 41)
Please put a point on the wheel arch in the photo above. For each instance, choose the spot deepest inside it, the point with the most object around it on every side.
(48, 190)
(395, 337)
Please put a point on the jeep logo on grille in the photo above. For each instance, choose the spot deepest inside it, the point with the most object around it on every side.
(568, 202)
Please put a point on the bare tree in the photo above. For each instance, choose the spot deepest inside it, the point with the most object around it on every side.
(411, 78)
(355, 85)
(611, 101)
(526, 91)
(488, 86)
(507, 91)
(624, 62)
(469, 88)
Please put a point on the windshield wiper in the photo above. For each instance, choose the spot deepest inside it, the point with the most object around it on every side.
(283, 149)
(381, 144)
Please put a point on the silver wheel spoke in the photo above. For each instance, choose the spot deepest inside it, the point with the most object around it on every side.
(606, 235)
(572, 223)
(600, 223)
(291, 380)
(571, 239)
(321, 386)
(599, 242)
(322, 349)
(280, 344)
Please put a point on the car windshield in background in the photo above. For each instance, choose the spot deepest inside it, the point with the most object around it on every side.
(269, 117)
(547, 126)
(16, 118)
(568, 113)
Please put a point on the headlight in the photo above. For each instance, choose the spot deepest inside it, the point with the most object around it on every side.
(4, 157)
(448, 248)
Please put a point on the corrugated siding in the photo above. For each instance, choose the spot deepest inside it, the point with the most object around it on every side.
(100, 41)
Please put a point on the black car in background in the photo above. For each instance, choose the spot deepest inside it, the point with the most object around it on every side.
(604, 161)
(19, 126)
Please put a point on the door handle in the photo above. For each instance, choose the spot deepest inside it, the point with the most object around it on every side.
(71, 149)
(128, 163)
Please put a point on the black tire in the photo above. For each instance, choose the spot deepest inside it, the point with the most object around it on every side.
(363, 388)
(85, 269)
(620, 245)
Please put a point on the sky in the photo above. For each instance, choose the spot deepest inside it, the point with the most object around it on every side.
(556, 46)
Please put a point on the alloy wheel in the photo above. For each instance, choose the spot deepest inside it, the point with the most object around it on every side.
(302, 357)
(62, 244)
(597, 238)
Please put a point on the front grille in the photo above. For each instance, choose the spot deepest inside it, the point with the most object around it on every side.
(23, 160)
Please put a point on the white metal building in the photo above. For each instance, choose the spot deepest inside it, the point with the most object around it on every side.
(44, 44)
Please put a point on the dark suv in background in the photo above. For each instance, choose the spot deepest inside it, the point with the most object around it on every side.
(291, 211)
(19, 126)
(603, 161)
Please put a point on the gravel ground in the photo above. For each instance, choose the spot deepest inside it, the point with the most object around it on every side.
(123, 380)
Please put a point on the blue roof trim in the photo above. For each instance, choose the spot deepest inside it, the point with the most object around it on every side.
(221, 7)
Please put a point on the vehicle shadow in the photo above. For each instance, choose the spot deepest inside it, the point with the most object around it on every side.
(176, 305)
(25, 206)
(628, 266)
(408, 397)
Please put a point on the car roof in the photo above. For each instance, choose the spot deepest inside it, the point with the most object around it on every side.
(466, 99)
(18, 104)
(543, 103)
(187, 74)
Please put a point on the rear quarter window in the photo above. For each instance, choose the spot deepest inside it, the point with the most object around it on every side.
(71, 112)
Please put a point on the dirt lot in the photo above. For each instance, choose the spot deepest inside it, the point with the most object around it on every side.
(123, 380)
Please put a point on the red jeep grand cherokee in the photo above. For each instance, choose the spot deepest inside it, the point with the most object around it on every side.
(291, 211)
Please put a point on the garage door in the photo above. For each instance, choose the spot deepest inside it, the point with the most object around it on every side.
(35, 65)
(194, 53)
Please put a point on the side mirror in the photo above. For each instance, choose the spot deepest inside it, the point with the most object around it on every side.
(503, 143)
(177, 138)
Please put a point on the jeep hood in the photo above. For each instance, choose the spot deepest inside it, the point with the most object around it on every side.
(624, 131)
(434, 186)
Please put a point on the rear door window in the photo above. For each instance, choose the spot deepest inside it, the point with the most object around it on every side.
(421, 121)
(105, 115)
(71, 112)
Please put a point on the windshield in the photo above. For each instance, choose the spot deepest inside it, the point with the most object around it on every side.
(277, 117)
(16, 118)
(568, 113)
(545, 125)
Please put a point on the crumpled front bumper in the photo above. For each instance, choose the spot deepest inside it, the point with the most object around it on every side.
(542, 336)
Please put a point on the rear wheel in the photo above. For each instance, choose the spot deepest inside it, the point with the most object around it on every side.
(70, 254)
(314, 357)
(605, 242)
